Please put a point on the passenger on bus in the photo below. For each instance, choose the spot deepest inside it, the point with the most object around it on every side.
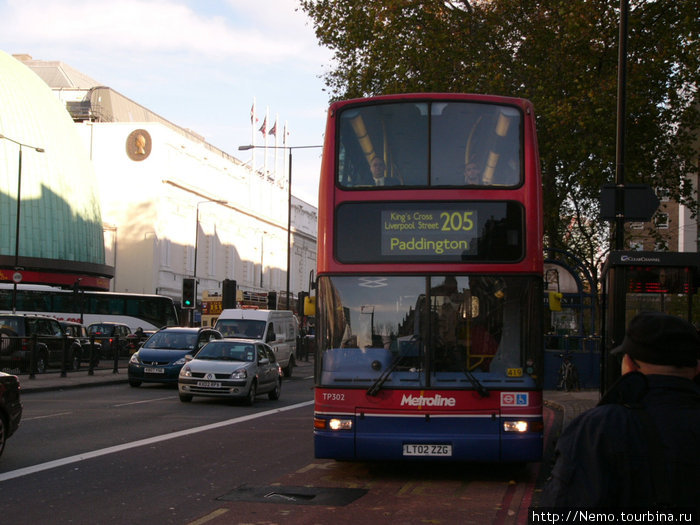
(638, 448)
(379, 173)
(472, 174)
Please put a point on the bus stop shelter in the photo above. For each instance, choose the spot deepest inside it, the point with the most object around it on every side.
(634, 282)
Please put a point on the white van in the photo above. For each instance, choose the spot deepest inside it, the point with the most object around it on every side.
(277, 328)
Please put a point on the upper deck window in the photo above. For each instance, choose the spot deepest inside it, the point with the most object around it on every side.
(439, 144)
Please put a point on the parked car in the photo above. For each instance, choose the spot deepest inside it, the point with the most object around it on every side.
(161, 357)
(15, 351)
(111, 334)
(231, 368)
(82, 338)
(10, 407)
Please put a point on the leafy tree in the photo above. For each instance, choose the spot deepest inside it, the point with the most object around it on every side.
(560, 54)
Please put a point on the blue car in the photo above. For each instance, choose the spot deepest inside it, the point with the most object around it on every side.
(161, 357)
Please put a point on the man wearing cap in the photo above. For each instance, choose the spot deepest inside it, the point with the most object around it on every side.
(640, 446)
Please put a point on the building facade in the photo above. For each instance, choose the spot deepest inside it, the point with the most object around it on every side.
(174, 206)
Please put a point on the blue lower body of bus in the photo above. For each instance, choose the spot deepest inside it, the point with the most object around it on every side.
(472, 438)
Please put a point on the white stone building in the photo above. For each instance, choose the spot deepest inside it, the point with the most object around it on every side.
(166, 195)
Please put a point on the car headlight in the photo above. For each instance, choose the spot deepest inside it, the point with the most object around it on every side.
(134, 359)
(180, 361)
(185, 371)
(241, 373)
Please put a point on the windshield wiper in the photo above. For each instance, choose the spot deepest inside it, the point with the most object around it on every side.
(481, 389)
(377, 385)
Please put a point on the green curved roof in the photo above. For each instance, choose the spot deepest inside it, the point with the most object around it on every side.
(60, 212)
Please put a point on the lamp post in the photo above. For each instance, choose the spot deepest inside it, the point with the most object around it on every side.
(289, 202)
(15, 278)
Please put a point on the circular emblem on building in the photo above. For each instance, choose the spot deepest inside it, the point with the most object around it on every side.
(138, 145)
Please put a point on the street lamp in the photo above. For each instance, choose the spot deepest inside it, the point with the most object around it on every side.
(289, 202)
(16, 278)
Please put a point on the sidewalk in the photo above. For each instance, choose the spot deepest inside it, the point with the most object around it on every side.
(53, 381)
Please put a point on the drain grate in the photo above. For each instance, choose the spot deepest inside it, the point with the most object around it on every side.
(328, 496)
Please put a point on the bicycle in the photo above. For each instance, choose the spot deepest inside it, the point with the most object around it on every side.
(568, 374)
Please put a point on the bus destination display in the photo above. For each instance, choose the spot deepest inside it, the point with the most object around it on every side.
(424, 232)
(444, 232)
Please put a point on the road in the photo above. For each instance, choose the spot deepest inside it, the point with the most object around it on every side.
(116, 454)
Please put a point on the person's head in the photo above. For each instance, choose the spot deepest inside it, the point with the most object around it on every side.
(378, 168)
(658, 343)
(471, 173)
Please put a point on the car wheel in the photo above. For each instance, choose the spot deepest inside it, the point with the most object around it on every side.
(134, 382)
(185, 398)
(288, 369)
(251, 394)
(275, 394)
(41, 363)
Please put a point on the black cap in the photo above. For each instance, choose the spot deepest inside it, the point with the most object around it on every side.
(661, 339)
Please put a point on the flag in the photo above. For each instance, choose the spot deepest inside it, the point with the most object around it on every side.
(253, 119)
(263, 128)
(273, 130)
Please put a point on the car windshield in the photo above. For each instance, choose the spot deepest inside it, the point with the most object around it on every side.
(99, 329)
(228, 351)
(247, 328)
(172, 341)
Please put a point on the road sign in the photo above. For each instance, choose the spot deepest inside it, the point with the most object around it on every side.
(641, 202)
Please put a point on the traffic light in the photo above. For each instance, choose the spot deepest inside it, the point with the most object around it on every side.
(189, 292)
(228, 299)
(300, 302)
(272, 300)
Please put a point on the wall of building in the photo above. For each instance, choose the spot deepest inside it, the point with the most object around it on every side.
(157, 205)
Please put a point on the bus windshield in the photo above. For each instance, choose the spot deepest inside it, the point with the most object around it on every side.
(438, 331)
(429, 144)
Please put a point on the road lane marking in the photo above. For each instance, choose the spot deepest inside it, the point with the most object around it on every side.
(25, 419)
(173, 398)
(143, 442)
(209, 517)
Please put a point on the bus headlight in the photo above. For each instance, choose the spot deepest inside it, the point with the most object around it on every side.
(515, 426)
(332, 424)
(340, 424)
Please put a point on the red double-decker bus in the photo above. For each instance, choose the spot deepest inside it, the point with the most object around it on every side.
(429, 290)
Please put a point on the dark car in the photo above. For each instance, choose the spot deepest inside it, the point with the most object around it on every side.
(82, 338)
(18, 331)
(161, 357)
(10, 407)
(113, 335)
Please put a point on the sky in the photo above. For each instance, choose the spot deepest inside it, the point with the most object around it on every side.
(200, 64)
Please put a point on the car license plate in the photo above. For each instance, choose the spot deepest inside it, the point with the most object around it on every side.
(154, 370)
(424, 449)
(209, 384)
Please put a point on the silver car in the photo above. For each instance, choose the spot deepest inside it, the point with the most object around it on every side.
(231, 368)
